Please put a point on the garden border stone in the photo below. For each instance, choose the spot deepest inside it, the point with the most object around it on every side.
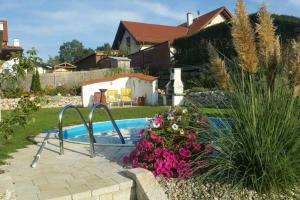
(147, 187)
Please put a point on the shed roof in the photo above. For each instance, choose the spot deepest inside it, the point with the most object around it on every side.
(64, 65)
(119, 58)
(117, 76)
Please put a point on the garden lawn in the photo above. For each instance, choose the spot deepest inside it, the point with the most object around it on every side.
(47, 118)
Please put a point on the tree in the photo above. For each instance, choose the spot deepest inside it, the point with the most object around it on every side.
(53, 60)
(105, 47)
(73, 51)
(9, 77)
(36, 83)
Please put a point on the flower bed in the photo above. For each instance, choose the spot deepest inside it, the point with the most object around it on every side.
(170, 146)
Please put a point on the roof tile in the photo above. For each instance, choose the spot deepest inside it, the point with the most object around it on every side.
(123, 75)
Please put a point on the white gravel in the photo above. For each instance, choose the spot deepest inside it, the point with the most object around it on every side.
(192, 189)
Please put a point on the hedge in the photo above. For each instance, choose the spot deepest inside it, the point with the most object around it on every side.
(191, 49)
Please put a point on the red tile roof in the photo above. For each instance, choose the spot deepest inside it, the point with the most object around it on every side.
(204, 20)
(9, 47)
(123, 75)
(155, 33)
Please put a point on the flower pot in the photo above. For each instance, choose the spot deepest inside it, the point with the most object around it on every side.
(141, 101)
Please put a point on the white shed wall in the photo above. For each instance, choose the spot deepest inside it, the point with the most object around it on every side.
(139, 88)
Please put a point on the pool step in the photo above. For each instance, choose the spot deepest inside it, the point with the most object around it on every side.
(114, 188)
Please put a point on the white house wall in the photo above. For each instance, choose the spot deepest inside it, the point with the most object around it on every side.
(133, 46)
(218, 19)
(139, 88)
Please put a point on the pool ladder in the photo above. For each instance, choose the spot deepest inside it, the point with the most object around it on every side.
(88, 126)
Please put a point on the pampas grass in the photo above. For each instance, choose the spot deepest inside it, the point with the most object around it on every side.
(295, 66)
(243, 39)
(260, 149)
(218, 67)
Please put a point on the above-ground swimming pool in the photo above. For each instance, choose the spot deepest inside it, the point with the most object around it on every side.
(105, 133)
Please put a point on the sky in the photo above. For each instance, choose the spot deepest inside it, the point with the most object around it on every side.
(46, 24)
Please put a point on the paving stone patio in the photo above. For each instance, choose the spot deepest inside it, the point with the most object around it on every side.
(73, 175)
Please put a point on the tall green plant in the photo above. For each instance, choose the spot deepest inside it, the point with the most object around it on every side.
(36, 83)
(260, 148)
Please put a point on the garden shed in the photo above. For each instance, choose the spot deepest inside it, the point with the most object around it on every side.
(141, 85)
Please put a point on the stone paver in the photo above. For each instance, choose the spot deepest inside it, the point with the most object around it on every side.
(73, 175)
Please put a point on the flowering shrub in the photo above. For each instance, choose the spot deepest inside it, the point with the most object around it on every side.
(169, 147)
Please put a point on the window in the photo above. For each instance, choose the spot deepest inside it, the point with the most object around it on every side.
(128, 42)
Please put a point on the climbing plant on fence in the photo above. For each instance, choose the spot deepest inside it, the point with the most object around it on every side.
(192, 49)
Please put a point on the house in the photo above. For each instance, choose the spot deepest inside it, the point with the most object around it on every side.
(142, 39)
(64, 67)
(7, 51)
(92, 61)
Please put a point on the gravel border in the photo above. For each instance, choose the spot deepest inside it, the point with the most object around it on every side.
(193, 189)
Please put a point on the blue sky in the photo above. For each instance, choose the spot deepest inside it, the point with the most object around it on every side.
(46, 24)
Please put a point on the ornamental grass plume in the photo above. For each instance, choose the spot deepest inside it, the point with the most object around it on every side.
(244, 39)
(268, 44)
(266, 33)
(295, 66)
(218, 67)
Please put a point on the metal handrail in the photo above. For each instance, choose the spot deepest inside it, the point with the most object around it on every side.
(61, 136)
(100, 105)
(38, 154)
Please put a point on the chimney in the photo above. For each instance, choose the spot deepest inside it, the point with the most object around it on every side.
(16, 43)
(190, 18)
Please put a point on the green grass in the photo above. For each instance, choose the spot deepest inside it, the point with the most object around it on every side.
(46, 119)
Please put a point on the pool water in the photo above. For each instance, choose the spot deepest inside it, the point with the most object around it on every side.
(105, 133)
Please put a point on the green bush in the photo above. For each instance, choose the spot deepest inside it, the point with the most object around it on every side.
(18, 117)
(117, 70)
(62, 90)
(36, 83)
(49, 90)
(192, 49)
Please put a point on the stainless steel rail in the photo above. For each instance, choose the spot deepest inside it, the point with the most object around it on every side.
(100, 105)
(61, 134)
(38, 154)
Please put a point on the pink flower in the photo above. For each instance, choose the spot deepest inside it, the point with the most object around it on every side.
(160, 139)
(153, 136)
(197, 146)
(188, 145)
(151, 156)
(142, 131)
(135, 163)
(125, 159)
(169, 173)
(145, 157)
(185, 152)
(191, 136)
(157, 151)
(157, 119)
(150, 145)
(208, 149)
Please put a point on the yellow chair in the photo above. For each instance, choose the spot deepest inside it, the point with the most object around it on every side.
(112, 97)
(126, 96)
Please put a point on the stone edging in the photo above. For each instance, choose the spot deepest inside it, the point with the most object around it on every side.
(147, 187)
